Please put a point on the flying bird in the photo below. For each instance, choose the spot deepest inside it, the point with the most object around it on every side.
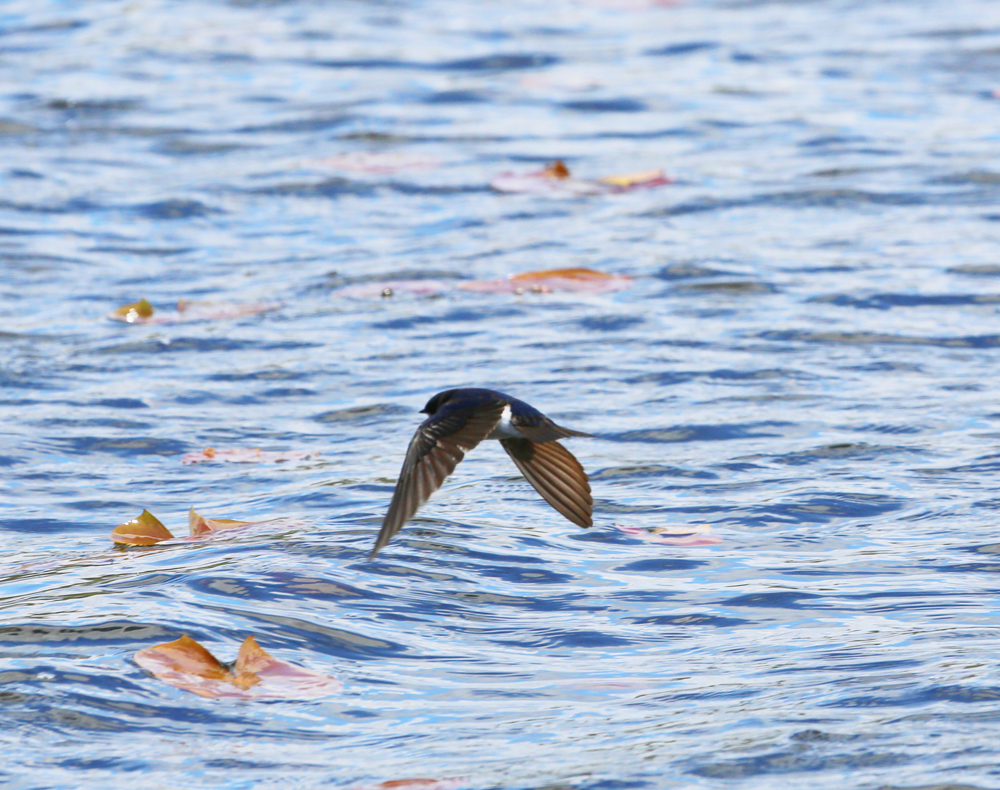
(462, 418)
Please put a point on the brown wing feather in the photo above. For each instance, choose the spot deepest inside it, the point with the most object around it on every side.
(547, 431)
(434, 452)
(556, 475)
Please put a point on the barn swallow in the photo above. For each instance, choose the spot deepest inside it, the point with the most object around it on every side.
(462, 418)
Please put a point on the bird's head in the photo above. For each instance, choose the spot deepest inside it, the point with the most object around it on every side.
(437, 402)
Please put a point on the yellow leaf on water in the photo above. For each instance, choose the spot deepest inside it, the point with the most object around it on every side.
(144, 530)
(133, 313)
(642, 177)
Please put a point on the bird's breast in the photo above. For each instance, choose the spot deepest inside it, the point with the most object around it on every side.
(505, 428)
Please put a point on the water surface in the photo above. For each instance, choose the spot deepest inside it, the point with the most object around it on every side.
(806, 361)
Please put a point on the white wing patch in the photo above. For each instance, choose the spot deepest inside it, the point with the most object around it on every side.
(505, 429)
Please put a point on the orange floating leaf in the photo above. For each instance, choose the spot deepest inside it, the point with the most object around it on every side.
(144, 530)
(552, 281)
(557, 169)
(544, 182)
(246, 456)
(185, 664)
(199, 525)
(700, 535)
(136, 313)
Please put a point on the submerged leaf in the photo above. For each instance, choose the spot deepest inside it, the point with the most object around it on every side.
(199, 525)
(144, 530)
(185, 664)
(249, 456)
(135, 313)
(552, 281)
(700, 535)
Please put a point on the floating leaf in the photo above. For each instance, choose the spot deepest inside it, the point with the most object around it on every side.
(138, 312)
(251, 456)
(549, 281)
(389, 288)
(643, 178)
(142, 312)
(553, 180)
(216, 311)
(552, 281)
(421, 784)
(199, 525)
(185, 664)
(700, 535)
(144, 530)
(380, 162)
(556, 179)
(557, 169)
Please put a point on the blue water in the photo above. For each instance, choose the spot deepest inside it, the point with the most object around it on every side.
(807, 362)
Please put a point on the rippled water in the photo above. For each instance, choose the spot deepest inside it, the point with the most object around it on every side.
(806, 362)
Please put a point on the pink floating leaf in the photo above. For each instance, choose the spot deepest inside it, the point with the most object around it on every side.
(186, 664)
(202, 528)
(216, 311)
(419, 784)
(245, 456)
(199, 525)
(552, 281)
(700, 535)
(389, 288)
(379, 162)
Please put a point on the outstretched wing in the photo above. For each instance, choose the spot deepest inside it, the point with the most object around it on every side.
(556, 475)
(440, 442)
